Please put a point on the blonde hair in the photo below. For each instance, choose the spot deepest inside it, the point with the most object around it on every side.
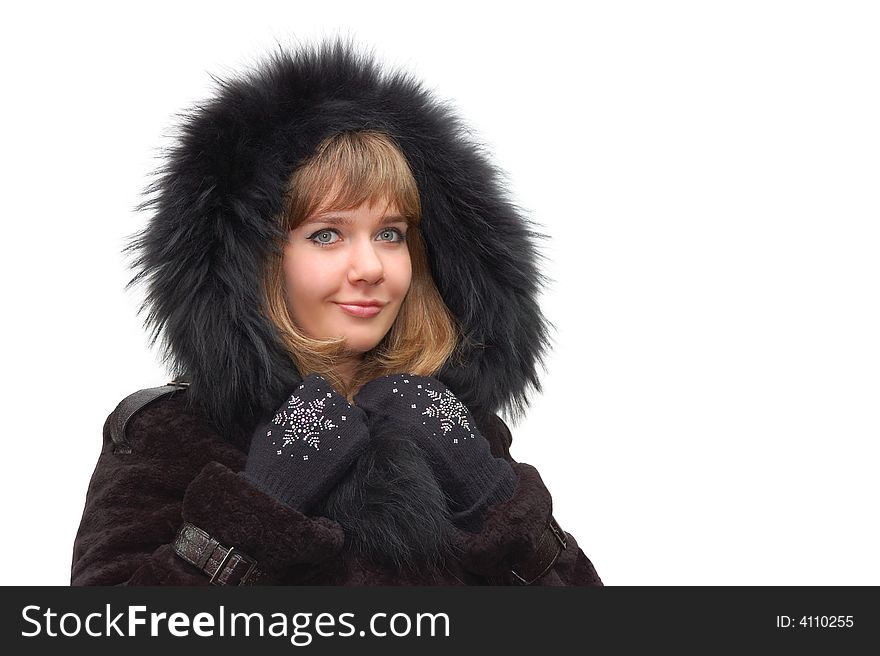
(347, 170)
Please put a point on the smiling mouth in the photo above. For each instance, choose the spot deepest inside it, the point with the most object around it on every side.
(363, 311)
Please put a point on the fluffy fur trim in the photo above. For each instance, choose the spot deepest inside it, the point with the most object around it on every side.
(212, 227)
(392, 508)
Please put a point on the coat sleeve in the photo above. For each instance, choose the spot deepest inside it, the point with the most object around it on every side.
(179, 471)
(518, 543)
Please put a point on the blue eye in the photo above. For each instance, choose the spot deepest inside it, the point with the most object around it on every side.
(314, 237)
(323, 231)
(394, 231)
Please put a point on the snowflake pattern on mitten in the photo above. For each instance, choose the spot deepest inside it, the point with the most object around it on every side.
(299, 454)
(303, 421)
(443, 407)
(428, 412)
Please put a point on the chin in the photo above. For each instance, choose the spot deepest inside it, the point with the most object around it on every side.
(359, 346)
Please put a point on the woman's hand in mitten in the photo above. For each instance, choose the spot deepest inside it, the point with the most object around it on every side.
(300, 455)
(432, 415)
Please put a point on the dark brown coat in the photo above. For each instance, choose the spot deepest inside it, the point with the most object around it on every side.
(180, 470)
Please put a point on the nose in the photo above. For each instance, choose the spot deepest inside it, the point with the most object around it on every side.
(365, 263)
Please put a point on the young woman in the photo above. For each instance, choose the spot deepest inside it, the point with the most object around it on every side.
(348, 301)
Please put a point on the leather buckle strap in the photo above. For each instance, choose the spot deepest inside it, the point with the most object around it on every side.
(551, 543)
(224, 565)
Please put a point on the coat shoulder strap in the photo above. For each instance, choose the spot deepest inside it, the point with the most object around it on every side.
(131, 405)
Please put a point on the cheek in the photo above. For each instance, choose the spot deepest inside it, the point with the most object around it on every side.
(402, 276)
(303, 280)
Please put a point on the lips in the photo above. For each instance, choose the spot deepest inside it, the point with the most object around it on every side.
(363, 311)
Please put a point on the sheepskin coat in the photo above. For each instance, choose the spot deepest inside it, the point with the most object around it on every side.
(211, 229)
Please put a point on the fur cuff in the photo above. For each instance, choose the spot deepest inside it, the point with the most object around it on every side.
(512, 529)
(233, 512)
(391, 507)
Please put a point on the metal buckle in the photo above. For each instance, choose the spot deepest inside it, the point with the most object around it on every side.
(558, 532)
(252, 565)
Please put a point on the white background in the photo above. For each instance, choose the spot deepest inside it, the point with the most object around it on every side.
(708, 174)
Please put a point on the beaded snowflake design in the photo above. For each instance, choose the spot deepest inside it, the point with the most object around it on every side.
(442, 406)
(302, 421)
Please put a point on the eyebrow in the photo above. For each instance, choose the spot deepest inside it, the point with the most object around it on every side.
(333, 219)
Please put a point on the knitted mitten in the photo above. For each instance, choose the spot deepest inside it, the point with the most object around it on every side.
(300, 455)
(427, 411)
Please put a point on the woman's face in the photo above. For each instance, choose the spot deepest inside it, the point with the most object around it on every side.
(337, 260)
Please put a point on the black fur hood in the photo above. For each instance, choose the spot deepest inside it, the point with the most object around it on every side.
(212, 206)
